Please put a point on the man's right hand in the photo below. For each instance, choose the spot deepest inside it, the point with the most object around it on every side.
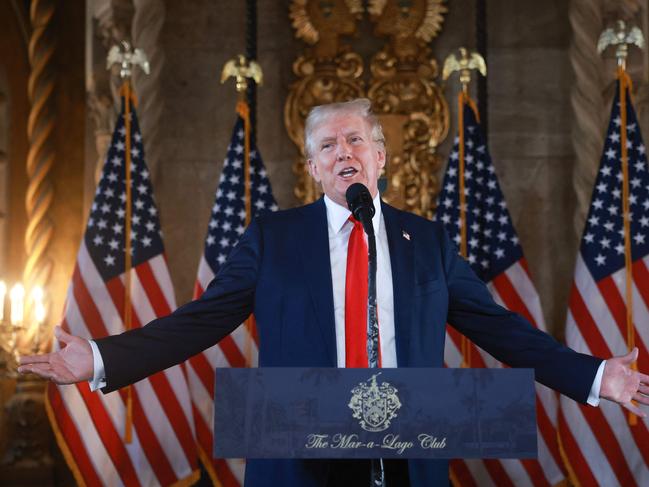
(72, 363)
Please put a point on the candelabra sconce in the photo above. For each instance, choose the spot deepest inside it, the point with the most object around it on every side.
(25, 436)
(22, 317)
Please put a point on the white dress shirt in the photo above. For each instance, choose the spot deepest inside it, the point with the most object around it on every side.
(339, 230)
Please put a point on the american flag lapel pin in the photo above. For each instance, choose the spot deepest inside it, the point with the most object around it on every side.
(405, 235)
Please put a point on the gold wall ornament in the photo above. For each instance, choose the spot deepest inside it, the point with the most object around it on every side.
(320, 23)
(28, 452)
(402, 88)
(328, 71)
(409, 24)
(408, 100)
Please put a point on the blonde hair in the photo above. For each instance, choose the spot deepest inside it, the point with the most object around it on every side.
(360, 106)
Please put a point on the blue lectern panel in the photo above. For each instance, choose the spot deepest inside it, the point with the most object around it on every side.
(371, 413)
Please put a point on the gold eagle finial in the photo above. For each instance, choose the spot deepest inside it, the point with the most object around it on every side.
(127, 57)
(241, 70)
(467, 61)
(622, 38)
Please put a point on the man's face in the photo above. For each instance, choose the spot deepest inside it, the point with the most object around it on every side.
(344, 153)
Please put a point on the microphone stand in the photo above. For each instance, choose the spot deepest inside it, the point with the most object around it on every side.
(359, 201)
(377, 470)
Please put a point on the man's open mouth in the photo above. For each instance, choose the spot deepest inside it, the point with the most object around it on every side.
(347, 173)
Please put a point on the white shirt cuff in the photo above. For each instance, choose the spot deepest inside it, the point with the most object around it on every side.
(99, 374)
(593, 397)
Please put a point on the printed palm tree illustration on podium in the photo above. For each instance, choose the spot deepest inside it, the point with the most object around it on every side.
(473, 404)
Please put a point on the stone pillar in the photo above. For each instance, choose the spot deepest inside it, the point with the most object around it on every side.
(589, 123)
(593, 88)
(107, 23)
(147, 26)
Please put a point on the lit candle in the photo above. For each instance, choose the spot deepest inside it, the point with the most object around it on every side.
(3, 293)
(39, 308)
(39, 315)
(17, 297)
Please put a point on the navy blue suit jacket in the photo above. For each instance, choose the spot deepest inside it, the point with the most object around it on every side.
(280, 270)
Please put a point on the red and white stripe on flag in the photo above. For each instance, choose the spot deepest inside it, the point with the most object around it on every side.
(90, 425)
(494, 253)
(239, 349)
(599, 445)
(514, 290)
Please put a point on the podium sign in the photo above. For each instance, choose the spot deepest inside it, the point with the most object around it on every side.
(374, 413)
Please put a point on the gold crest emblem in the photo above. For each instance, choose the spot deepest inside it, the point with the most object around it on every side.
(374, 405)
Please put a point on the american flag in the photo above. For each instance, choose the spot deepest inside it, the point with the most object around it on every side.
(600, 446)
(495, 254)
(239, 349)
(90, 426)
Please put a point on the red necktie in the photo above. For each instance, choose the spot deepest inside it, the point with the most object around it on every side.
(356, 298)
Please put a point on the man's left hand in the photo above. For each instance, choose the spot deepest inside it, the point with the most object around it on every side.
(622, 384)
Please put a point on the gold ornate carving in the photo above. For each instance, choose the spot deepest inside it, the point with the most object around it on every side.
(321, 23)
(410, 103)
(27, 430)
(409, 24)
(402, 88)
(329, 71)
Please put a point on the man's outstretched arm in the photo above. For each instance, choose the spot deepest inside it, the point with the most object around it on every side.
(512, 340)
(164, 342)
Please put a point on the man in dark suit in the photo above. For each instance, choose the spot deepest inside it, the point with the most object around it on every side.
(291, 269)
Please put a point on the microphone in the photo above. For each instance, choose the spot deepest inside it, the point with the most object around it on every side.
(359, 201)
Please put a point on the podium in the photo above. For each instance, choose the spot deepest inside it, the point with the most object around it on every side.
(404, 413)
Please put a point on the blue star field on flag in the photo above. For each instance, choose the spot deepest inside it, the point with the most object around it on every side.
(105, 233)
(228, 220)
(492, 243)
(602, 244)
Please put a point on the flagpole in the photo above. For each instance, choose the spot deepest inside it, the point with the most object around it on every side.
(466, 62)
(621, 38)
(624, 85)
(244, 112)
(127, 58)
(243, 70)
(465, 346)
(128, 316)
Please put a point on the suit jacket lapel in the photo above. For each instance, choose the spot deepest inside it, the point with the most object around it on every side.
(314, 250)
(402, 263)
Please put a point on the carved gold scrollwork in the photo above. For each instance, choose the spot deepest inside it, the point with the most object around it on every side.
(410, 24)
(411, 105)
(413, 184)
(402, 88)
(327, 72)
